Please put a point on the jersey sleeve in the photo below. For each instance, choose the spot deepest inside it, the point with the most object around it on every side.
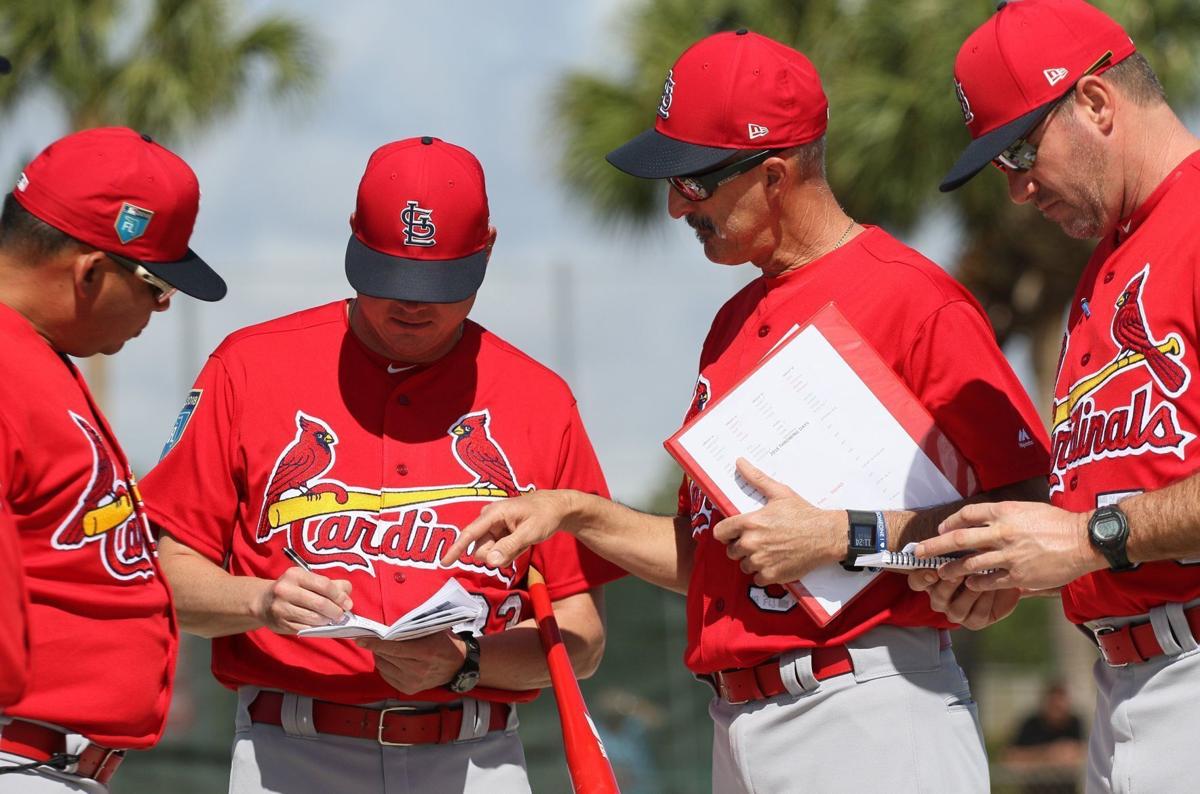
(568, 566)
(957, 371)
(192, 493)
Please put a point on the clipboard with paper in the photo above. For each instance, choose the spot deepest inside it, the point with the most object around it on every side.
(825, 415)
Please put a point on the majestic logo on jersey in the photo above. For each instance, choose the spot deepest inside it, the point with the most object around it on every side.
(418, 225)
(181, 421)
(964, 103)
(132, 222)
(1140, 423)
(106, 516)
(331, 523)
(668, 95)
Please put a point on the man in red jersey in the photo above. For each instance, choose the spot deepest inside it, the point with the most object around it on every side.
(360, 436)
(93, 240)
(874, 700)
(1055, 94)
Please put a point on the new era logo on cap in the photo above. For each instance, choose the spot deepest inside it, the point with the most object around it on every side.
(756, 130)
(1055, 76)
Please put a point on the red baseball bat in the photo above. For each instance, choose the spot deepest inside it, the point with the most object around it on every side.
(587, 763)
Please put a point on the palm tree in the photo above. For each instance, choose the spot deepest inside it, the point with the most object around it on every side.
(895, 129)
(170, 69)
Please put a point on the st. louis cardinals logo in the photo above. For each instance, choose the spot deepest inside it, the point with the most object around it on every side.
(964, 103)
(330, 523)
(106, 516)
(418, 225)
(668, 95)
(1141, 423)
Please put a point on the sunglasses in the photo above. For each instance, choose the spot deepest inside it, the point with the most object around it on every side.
(1021, 155)
(699, 187)
(162, 290)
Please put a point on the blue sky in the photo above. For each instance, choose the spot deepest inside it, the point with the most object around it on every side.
(279, 184)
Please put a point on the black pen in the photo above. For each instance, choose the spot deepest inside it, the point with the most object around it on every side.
(296, 558)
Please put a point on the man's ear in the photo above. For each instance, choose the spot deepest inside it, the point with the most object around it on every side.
(87, 273)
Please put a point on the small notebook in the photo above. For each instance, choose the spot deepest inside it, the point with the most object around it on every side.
(451, 607)
(903, 560)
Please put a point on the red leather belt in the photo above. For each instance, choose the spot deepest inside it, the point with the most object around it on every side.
(764, 681)
(1136, 642)
(398, 725)
(38, 743)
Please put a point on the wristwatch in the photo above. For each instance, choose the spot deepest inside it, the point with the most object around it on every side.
(861, 536)
(468, 675)
(1108, 532)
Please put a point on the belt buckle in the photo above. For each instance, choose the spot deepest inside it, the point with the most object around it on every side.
(382, 714)
(723, 691)
(1100, 632)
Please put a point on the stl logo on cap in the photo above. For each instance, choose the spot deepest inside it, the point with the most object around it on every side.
(418, 225)
(968, 116)
(668, 94)
(132, 222)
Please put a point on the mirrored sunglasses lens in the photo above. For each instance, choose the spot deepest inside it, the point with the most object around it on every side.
(689, 188)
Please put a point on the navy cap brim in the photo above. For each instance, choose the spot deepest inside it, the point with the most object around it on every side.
(382, 275)
(986, 148)
(190, 275)
(653, 155)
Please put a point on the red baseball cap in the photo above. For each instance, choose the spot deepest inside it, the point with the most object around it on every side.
(727, 93)
(124, 194)
(1011, 71)
(421, 224)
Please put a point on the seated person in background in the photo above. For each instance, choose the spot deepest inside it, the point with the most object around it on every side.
(1050, 740)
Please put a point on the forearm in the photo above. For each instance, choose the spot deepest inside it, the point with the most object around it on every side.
(913, 526)
(514, 659)
(1164, 524)
(210, 601)
(657, 549)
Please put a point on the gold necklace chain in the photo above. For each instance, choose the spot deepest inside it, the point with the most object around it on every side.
(845, 234)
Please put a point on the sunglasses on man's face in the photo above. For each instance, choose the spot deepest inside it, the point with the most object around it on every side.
(1021, 155)
(162, 290)
(699, 187)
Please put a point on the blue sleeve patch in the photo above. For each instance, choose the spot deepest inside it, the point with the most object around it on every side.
(181, 421)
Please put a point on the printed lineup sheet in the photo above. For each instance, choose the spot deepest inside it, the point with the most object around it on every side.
(825, 415)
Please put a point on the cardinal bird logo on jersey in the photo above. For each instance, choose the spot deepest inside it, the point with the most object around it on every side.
(1129, 331)
(308, 457)
(700, 395)
(1110, 412)
(479, 453)
(105, 515)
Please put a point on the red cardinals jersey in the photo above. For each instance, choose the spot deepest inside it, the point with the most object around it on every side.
(14, 639)
(297, 435)
(934, 336)
(1126, 412)
(101, 627)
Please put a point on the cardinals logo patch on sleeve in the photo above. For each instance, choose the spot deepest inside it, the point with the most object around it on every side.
(181, 421)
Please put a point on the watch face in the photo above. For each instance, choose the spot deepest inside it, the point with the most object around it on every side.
(864, 536)
(465, 681)
(1107, 528)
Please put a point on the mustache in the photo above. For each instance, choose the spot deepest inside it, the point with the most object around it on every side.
(700, 223)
